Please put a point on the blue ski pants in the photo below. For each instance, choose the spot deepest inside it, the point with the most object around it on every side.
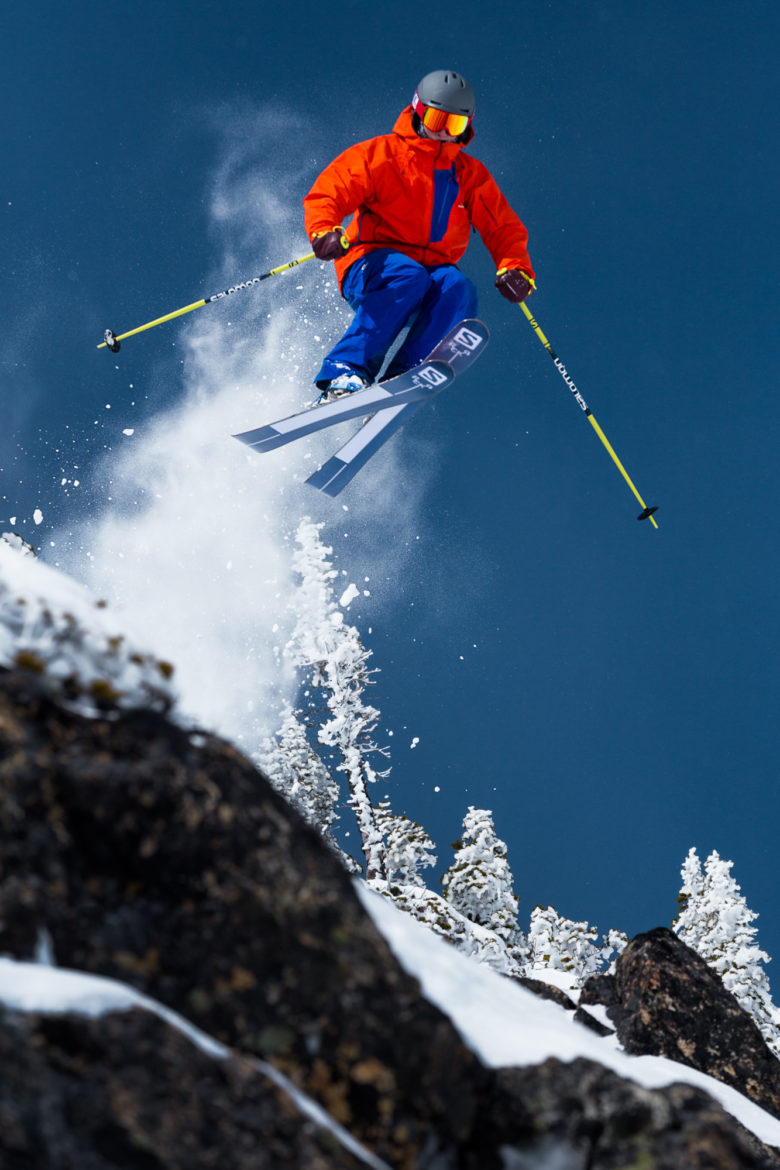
(387, 289)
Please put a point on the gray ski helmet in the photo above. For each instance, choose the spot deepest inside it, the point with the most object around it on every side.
(446, 90)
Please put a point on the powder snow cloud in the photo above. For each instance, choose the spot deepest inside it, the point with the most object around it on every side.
(193, 540)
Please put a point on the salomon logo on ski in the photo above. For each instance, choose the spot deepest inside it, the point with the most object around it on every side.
(433, 376)
(468, 338)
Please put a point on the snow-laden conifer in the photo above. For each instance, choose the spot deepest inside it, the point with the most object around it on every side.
(15, 541)
(479, 883)
(443, 919)
(324, 644)
(561, 944)
(298, 773)
(409, 848)
(614, 943)
(716, 922)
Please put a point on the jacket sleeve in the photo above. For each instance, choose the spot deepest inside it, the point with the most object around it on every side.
(342, 187)
(503, 232)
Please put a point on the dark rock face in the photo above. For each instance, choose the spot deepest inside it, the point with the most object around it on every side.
(127, 1091)
(546, 991)
(599, 989)
(165, 860)
(665, 1000)
(581, 1116)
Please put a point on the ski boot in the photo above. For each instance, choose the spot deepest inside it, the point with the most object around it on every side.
(341, 386)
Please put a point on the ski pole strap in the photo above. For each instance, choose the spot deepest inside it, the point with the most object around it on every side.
(647, 512)
(112, 340)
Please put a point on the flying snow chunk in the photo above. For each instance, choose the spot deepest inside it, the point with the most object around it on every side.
(129, 431)
(349, 595)
(38, 516)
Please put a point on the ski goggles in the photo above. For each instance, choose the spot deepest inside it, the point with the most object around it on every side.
(435, 120)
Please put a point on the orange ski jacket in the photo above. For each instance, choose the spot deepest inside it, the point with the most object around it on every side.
(417, 196)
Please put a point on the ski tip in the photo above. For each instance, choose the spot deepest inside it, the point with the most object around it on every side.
(647, 513)
(110, 339)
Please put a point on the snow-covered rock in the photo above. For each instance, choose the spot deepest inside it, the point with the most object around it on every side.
(52, 627)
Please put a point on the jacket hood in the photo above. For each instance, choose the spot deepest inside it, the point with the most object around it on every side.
(404, 128)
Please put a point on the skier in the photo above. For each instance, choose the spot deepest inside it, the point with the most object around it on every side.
(415, 194)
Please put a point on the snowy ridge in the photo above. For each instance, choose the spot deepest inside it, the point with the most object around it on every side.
(506, 1025)
(54, 627)
(46, 990)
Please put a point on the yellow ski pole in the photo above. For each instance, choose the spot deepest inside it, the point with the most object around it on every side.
(111, 340)
(646, 513)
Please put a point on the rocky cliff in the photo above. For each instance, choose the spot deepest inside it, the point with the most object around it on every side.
(160, 857)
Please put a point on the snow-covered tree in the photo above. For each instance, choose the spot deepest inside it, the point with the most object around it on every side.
(443, 919)
(479, 882)
(324, 644)
(716, 922)
(298, 773)
(409, 848)
(615, 942)
(560, 944)
(15, 541)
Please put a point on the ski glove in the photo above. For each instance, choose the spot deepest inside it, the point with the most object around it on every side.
(330, 245)
(514, 284)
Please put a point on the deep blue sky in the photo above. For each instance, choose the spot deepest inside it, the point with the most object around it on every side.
(610, 691)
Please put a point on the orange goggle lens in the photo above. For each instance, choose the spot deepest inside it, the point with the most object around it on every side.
(436, 120)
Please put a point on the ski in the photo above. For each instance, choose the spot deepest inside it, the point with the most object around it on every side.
(462, 345)
(459, 349)
(337, 472)
(388, 404)
(418, 383)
